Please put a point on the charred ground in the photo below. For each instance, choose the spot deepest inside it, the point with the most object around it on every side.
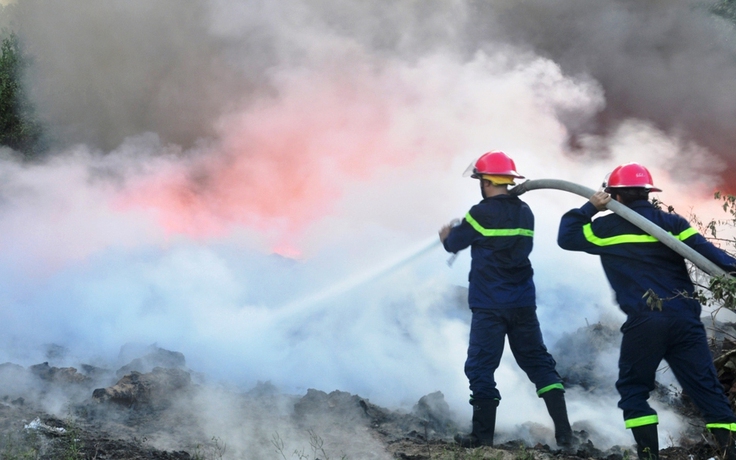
(156, 408)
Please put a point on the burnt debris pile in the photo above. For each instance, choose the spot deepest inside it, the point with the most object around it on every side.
(154, 407)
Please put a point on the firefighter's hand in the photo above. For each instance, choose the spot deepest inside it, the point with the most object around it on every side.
(600, 199)
(444, 231)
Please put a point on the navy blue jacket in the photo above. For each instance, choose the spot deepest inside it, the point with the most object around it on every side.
(635, 262)
(499, 231)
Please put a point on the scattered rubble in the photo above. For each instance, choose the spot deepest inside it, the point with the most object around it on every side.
(156, 388)
(151, 411)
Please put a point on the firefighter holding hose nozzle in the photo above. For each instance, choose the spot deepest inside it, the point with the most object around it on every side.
(653, 287)
(501, 295)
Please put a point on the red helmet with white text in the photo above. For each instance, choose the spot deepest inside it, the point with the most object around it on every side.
(630, 175)
(493, 164)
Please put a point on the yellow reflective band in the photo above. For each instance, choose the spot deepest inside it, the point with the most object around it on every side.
(686, 234)
(725, 426)
(497, 231)
(554, 386)
(629, 238)
(641, 421)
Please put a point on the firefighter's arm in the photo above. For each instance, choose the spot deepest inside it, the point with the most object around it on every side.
(457, 236)
(705, 248)
(570, 235)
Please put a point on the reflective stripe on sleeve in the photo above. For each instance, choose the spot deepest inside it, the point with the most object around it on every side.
(629, 238)
(686, 234)
(497, 231)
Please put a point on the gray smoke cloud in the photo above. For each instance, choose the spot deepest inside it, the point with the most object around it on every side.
(105, 71)
(669, 63)
(109, 70)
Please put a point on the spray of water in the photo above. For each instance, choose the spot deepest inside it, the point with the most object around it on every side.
(316, 300)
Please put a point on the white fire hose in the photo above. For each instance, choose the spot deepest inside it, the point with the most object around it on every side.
(640, 221)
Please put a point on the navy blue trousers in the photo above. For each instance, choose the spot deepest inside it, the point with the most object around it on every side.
(682, 343)
(488, 329)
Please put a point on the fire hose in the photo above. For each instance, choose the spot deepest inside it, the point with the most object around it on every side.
(640, 221)
(429, 244)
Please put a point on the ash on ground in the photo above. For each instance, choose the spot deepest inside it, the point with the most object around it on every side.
(154, 407)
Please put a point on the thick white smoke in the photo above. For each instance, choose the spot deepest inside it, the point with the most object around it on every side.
(193, 141)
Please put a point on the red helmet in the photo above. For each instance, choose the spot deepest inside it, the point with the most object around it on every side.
(630, 175)
(493, 164)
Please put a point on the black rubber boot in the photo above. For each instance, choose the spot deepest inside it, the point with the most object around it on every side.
(484, 424)
(555, 401)
(725, 441)
(647, 441)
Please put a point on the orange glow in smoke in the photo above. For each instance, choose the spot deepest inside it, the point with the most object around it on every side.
(277, 168)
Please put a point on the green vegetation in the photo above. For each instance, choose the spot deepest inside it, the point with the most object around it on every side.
(36, 440)
(718, 291)
(214, 450)
(725, 9)
(72, 442)
(316, 443)
(19, 128)
(455, 452)
(19, 446)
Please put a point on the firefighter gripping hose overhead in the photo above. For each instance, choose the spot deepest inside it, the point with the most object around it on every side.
(640, 221)
(653, 288)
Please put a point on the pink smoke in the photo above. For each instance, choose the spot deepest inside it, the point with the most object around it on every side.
(277, 167)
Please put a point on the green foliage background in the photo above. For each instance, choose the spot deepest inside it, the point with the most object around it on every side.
(726, 9)
(20, 129)
(719, 292)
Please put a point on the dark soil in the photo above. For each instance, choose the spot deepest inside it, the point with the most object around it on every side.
(154, 412)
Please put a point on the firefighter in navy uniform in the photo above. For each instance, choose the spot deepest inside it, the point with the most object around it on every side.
(502, 299)
(653, 287)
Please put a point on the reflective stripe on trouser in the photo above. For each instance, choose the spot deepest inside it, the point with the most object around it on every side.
(682, 343)
(724, 426)
(548, 388)
(641, 421)
(488, 329)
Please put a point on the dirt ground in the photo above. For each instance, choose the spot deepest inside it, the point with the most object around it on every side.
(157, 409)
(27, 433)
